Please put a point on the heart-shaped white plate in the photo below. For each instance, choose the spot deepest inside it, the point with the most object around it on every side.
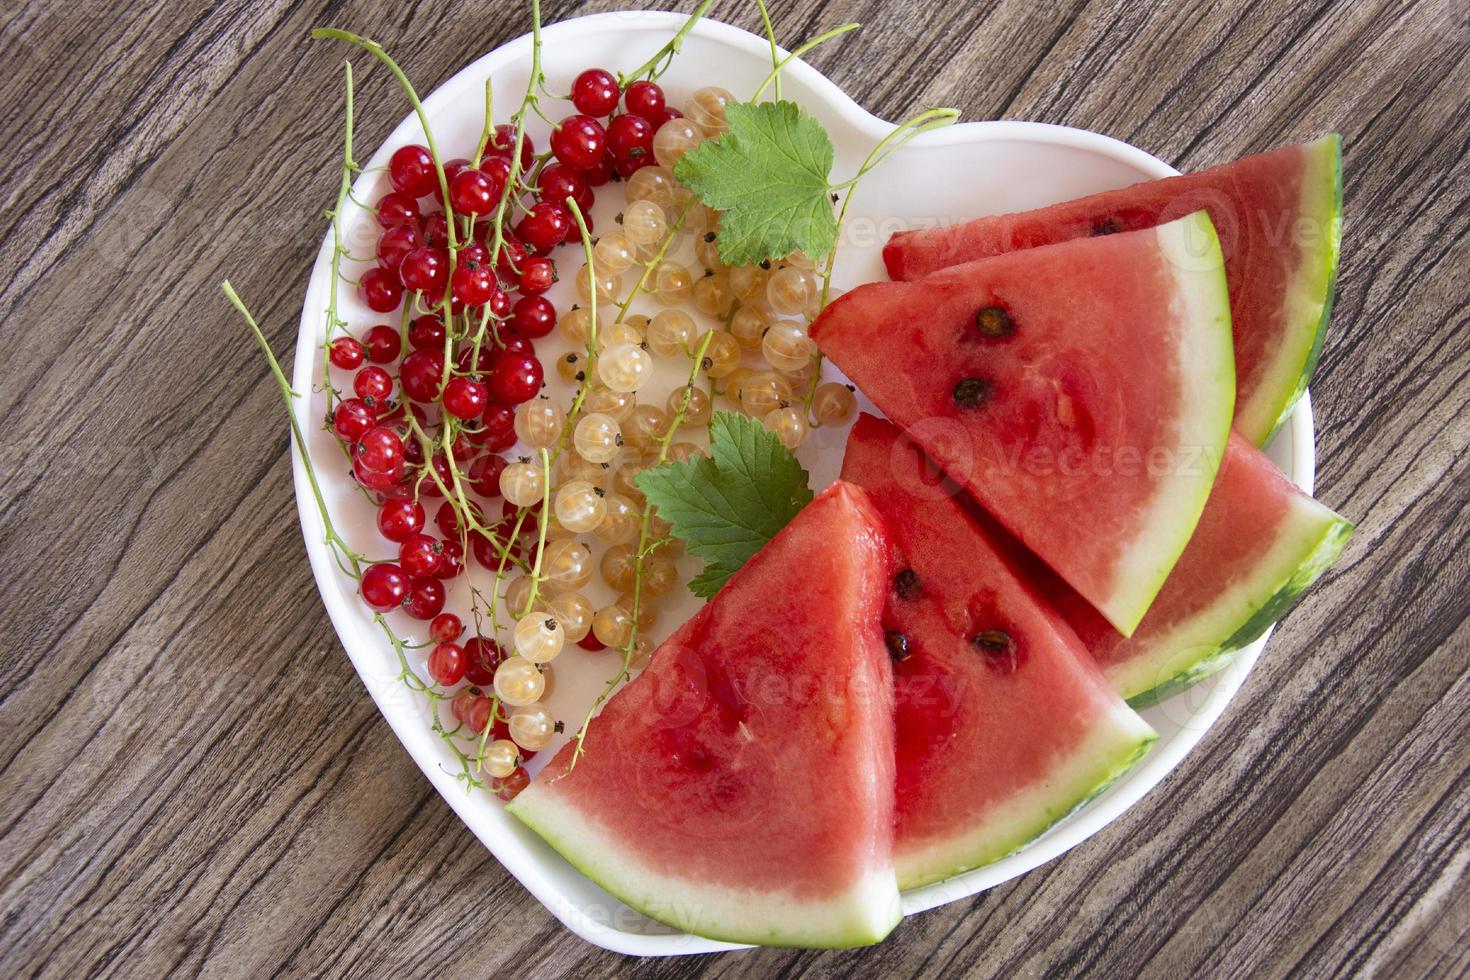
(949, 175)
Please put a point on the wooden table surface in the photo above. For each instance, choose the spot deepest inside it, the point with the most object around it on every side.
(193, 778)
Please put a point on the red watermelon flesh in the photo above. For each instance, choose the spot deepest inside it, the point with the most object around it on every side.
(997, 740)
(741, 788)
(1278, 216)
(1259, 545)
(1081, 392)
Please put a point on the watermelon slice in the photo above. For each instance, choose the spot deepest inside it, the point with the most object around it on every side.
(741, 788)
(1260, 544)
(1279, 217)
(1081, 392)
(1005, 725)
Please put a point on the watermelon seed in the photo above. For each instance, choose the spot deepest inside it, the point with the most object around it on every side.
(1106, 226)
(994, 321)
(999, 649)
(906, 583)
(972, 392)
(898, 645)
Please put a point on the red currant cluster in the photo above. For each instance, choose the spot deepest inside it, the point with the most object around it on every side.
(463, 270)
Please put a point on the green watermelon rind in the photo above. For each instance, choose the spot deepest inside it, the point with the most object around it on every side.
(860, 916)
(1207, 353)
(1307, 548)
(1278, 391)
(1115, 746)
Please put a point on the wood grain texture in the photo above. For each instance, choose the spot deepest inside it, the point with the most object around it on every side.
(191, 778)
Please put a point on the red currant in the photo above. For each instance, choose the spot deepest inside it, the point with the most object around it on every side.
(419, 555)
(497, 167)
(386, 482)
(516, 378)
(559, 182)
(504, 140)
(511, 786)
(499, 419)
(400, 519)
(538, 274)
(512, 259)
(381, 290)
(462, 702)
(425, 598)
(533, 316)
(518, 345)
(382, 343)
(473, 192)
(452, 169)
(599, 173)
(630, 139)
(395, 209)
(346, 353)
(578, 141)
(477, 717)
(352, 418)
(472, 285)
(379, 448)
(471, 363)
(435, 229)
(484, 474)
(446, 518)
(384, 586)
(595, 92)
(499, 303)
(373, 385)
(446, 663)
(465, 398)
(446, 628)
(428, 485)
(421, 374)
(425, 270)
(411, 171)
(397, 242)
(482, 656)
(645, 99)
(426, 332)
(545, 226)
(472, 253)
(451, 560)
(590, 642)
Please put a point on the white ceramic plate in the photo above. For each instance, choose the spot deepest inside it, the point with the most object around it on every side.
(967, 170)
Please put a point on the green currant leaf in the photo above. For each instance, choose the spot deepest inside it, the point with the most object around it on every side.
(726, 506)
(768, 173)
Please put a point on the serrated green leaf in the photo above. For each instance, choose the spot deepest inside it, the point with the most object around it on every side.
(768, 172)
(726, 506)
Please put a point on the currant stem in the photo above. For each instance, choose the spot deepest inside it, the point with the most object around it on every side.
(333, 539)
(803, 49)
(591, 372)
(652, 263)
(643, 547)
(545, 517)
(376, 50)
(652, 67)
(489, 126)
(775, 50)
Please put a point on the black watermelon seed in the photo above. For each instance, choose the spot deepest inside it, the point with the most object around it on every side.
(999, 649)
(972, 392)
(994, 321)
(906, 583)
(1106, 226)
(898, 645)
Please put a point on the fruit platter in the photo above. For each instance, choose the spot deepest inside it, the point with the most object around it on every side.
(761, 521)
